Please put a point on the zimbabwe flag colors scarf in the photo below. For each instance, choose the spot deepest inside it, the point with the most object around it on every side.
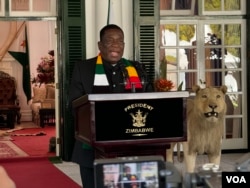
(101, 78)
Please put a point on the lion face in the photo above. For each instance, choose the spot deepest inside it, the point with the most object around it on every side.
(209, 103)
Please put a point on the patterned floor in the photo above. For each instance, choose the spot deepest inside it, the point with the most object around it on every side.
(8, 149)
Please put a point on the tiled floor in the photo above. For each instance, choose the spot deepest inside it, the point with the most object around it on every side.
(71, 170)
(227, 164)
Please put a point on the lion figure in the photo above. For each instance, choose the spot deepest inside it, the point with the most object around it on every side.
(205, 126)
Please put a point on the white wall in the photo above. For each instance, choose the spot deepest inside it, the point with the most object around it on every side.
(41, 40)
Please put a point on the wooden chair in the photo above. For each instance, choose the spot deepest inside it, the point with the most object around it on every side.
(9, 105)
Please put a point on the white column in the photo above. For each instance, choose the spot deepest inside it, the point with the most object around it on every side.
(127, 26)
(91, 40)
(115, 12)
(101, 16)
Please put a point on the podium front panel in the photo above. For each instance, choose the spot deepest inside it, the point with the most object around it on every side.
(139, 119)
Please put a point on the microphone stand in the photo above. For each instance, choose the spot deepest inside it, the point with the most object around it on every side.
(133, 87)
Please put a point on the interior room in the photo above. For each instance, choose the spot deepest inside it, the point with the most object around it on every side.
(33, 105)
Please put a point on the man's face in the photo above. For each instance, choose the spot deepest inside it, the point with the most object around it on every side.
(111, 45)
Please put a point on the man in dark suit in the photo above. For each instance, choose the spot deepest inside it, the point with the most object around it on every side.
(106, 73)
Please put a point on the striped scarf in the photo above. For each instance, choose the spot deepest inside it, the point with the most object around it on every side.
(101, 78)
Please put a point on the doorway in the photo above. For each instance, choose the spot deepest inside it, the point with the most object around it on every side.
(39, 41)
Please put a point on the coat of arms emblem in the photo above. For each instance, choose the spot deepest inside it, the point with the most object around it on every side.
(139, 119)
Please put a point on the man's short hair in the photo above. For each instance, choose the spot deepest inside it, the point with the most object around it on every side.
(107, 27)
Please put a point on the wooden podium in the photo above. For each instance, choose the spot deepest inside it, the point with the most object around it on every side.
(128, 124)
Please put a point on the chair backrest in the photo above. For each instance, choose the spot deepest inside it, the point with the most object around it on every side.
(7, 89)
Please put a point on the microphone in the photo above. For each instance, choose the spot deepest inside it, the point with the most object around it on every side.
(126, 77)
(140, 71)
(124, 72)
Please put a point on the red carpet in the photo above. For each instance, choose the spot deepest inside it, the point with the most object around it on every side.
(36, 172)
(34, 145)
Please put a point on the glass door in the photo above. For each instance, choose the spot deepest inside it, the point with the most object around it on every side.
(209, 53)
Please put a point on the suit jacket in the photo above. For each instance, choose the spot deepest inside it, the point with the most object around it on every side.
(83, 83)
